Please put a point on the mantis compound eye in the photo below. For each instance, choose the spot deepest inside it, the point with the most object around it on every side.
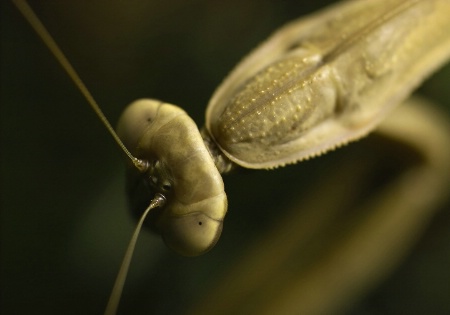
(182, 170)
(192, 234)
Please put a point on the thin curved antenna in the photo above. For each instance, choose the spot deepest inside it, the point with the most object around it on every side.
(113, 302)
(42, 32)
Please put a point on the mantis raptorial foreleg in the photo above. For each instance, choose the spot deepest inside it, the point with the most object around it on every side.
(330, 251)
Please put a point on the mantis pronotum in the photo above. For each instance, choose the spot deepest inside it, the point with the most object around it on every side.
(65, 167)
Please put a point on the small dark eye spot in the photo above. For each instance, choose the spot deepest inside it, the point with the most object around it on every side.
(166, 187)
(200, 222)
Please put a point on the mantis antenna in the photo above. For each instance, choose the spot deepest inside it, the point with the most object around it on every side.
(114, 298)
(42, 32)
(142, 165)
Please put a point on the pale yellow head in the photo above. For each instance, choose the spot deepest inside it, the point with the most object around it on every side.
(181, 169)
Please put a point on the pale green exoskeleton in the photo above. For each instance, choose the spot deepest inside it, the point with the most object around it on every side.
(316, 84)
(181, 168)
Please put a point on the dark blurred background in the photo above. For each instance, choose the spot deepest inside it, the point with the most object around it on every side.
(64, 219)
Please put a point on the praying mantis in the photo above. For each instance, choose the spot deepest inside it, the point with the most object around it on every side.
(64, 166)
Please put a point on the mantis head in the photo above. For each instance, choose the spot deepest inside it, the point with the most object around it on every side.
(180, 168)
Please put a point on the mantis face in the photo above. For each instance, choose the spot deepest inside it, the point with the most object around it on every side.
(181, 169)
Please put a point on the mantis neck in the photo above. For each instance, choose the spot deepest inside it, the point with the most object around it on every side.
(223, 164)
